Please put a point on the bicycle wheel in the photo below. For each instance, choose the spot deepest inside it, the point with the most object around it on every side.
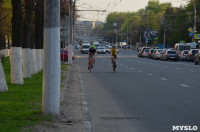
(114, 66)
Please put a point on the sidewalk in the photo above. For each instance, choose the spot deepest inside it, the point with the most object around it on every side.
(74, 113)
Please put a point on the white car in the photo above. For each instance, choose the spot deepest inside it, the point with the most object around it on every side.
(85, 48)
(101, 50)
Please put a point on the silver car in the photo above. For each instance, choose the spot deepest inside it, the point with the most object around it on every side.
(157, 53)
(145, 53)
(183, 55)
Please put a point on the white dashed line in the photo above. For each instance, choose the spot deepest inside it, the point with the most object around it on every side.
(192, 71)
(149, 74)
(178, 68)
(164, 79)
(139, 71)
(183, 85)
(131, 68)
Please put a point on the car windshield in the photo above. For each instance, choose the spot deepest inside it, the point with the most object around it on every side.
(146, 51)
(86, 46)
(101, 48)
(185, 52)
(195, 51)
(160, 50)
(171, 52)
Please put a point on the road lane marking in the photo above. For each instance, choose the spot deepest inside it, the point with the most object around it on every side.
(149, 74)
(139, 71)
(132, 68)
(164, 79)
(183, 85)
(192, 71)
(178, 68)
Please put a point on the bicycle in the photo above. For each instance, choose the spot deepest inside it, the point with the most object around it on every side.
(114, 64)
(90, 64)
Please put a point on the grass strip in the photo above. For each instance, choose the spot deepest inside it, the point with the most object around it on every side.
(21, 106)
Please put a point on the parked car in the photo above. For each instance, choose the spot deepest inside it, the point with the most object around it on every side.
(169, 55)
(157, 53)
(101, 49)
(197, 58)
(191, 54)
(64, 55)
(150, 53)
(183, 55)
(145, 53)
(141, 50)
(85, 48)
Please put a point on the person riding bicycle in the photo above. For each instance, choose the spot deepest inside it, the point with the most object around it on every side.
(91, 55)
(113, 53)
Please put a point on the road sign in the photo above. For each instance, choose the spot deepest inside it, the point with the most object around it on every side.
(197, 36)
(190, 29)
(190, 34)
(182, 42)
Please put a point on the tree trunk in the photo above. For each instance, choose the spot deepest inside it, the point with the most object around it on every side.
(33, 56)
(3, 84)
(27, 31)
(16, 50)
(39, 27)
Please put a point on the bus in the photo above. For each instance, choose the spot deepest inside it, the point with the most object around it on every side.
(180, 47)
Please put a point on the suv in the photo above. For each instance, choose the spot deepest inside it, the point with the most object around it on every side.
(142, 50)
(197, 58)
(191, 54)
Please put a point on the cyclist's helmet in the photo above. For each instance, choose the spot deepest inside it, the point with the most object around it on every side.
(92, 46)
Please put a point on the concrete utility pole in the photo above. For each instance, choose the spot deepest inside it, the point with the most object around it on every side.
(195, 22)
(51, 77)
(70, 46)
(74, 21)
(164, 31)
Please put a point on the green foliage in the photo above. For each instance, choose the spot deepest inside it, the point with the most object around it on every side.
(21, 105)
(153, 17)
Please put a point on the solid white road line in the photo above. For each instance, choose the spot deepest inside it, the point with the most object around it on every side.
(183, 85)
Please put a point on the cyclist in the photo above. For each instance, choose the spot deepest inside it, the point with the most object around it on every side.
(91, 55)
(113, 53)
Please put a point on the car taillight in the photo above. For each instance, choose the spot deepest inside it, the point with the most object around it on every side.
(166, 54)
(149, 52)
(157, 53)
(182, 55)
(190, 53)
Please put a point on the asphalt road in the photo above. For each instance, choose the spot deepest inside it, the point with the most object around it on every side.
(144, 95)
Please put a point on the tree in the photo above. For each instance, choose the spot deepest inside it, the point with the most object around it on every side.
(3, 84)
(27, 33)
(38, 34)
(16, 49)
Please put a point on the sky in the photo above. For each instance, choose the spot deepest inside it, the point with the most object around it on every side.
(114, 5)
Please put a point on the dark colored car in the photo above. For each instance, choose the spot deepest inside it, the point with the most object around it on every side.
(169, 55)
(64, 55)
(197, 59)
(191, 54)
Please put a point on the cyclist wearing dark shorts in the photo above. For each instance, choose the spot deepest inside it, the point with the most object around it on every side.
(91, 55)
(113, 53)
